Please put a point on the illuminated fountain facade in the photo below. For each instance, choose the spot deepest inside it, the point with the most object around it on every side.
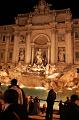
(41, 48)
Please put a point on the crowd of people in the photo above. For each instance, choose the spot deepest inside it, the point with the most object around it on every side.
(69, 110)
(15, 105)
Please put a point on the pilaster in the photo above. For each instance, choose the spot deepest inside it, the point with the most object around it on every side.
(69, 50)
(32, 56)
(53, 46)
(6, 52)
(16, 48)
(48, 52)
(28, 49)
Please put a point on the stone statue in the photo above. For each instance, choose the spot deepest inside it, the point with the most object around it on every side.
(39, 57)
(22, 39)
(61, 55)
(21, 55)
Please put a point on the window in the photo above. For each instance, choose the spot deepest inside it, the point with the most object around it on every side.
(3, 39)
(10, 55)
(77, 55)
(2, 55)
(76, 35)
(12, 38)
(75, 22)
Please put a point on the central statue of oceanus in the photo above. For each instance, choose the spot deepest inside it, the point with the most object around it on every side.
(39, 57)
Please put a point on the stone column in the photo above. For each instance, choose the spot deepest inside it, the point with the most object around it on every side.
(69, 49)
(16, 48)
(7, 48)
(48, 52)
(53, 47)
(32, 56)
(28, 49)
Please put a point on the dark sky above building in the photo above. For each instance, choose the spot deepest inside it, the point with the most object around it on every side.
(10, 8)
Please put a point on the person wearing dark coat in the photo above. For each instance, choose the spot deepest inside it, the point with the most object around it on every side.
(21, 95)
(61, 110)
(72, 109)
(50, 103)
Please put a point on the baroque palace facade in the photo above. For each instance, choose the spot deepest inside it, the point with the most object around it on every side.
(54, 32)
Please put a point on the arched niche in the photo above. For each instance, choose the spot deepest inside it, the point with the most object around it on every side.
(41, 42)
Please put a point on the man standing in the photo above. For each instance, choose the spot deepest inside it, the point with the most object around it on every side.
(21, 95)
(18, 89)
(50, 102)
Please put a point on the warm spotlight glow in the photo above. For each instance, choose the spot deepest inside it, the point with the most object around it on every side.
(3, 73)
(40, 88)
(54, 75)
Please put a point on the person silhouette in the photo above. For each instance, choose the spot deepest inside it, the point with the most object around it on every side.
(50, 102)
(21, 95)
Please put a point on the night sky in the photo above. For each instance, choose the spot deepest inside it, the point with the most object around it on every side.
(10, 8)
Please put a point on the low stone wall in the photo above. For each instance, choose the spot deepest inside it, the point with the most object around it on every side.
(39, 117)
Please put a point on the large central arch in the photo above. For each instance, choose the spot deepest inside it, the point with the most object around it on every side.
(42, 42)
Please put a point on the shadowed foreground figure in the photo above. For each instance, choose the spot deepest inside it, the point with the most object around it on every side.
(11, 110)
(21, 95)
(72, 108)
(50, 102)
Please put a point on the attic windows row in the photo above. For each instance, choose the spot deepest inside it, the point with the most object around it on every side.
(76, 35)
(3, 38)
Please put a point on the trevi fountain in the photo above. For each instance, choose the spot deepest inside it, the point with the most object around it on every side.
(40, 78)
(41, 50)
(43, 76)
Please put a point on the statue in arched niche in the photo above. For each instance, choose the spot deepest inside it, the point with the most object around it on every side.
(39, 57)
(21, 54)
(61, 54)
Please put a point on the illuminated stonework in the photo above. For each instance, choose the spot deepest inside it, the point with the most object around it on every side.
(54, 32)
